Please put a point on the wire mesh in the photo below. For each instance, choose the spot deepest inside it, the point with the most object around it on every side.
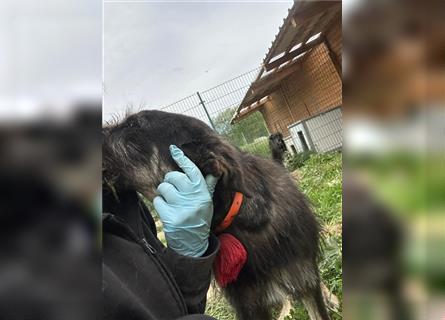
(217, 108)
(304, 97)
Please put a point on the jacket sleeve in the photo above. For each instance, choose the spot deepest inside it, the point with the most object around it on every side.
(193, 274)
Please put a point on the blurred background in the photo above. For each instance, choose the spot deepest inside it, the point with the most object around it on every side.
(393, 170)
(50, 166)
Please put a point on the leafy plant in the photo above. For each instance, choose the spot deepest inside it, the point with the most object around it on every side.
(297, 160)
(242, 133)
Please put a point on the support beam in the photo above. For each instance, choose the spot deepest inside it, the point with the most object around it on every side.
(310, 29)
(305, 47)
(246, 110)
(275, 77)
(269, 84)
(298, 35)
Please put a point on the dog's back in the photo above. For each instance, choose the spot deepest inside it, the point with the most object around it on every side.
(280, 233)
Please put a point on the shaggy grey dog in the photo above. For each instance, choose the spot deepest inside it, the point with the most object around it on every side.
(275, 222)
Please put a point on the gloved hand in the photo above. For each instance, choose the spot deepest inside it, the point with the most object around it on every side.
(185, 206)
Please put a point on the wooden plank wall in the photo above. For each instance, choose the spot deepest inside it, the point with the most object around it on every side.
(314, 88)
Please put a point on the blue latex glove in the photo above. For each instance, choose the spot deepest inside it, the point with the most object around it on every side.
(185, 206)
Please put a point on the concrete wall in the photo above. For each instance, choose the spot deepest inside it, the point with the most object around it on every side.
(325, 130)
(322, 133)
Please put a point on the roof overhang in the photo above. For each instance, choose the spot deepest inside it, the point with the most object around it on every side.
(302, 30)
(264, 87)
(305, 20)
(249, 109)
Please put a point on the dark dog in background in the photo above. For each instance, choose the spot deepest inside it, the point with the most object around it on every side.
(275, 222)
(373, 264)
(277, 147)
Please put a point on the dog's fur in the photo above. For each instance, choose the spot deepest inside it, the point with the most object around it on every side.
(277, 147)
(275, 222)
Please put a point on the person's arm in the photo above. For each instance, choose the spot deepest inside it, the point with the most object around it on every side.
(185, 207)
(193, 275)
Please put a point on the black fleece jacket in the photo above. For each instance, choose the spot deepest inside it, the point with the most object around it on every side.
(142, 279)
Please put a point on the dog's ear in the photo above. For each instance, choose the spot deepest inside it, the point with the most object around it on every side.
(219, 159)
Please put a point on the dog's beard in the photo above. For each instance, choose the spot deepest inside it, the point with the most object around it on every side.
(147, 179)
(142, 174)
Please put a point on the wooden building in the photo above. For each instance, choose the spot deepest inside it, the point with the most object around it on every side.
(299, 88)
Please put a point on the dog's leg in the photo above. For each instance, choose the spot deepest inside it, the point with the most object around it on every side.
(330, 299)
(255, 311)
(285, 310)
(249, 303)
(315, 306)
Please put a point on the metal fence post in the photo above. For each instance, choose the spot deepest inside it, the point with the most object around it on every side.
(205, 109)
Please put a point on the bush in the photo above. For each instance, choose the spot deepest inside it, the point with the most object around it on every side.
(297, 160)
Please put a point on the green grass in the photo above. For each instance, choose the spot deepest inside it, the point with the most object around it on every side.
(321, 182)
(297, 160)
(320, 178)
(218, 307)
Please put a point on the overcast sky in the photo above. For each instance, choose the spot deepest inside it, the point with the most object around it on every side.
(50, 55)
(157, 53)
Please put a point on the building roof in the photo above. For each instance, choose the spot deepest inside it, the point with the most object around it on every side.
(302, 30)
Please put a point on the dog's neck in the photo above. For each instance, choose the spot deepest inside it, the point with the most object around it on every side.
(222, 201)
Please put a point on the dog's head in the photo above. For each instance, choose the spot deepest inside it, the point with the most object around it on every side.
(276, 142)
(136, 152)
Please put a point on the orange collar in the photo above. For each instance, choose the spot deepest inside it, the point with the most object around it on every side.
(233, 211)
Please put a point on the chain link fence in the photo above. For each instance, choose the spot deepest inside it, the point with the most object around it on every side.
(217, 105)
